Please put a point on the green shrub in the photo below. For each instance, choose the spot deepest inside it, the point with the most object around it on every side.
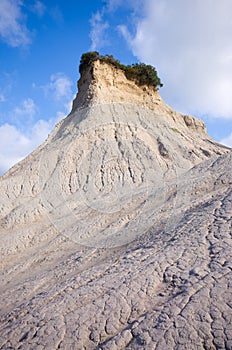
(141, 73)
(87, 59)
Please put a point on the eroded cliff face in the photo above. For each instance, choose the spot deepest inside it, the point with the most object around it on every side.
(115, 232)
(102, 83)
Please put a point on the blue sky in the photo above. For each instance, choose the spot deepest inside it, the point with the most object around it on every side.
(41, 42)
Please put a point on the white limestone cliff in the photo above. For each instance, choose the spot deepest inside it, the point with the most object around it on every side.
(115, 233)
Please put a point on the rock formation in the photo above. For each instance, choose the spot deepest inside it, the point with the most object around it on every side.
(116, 232)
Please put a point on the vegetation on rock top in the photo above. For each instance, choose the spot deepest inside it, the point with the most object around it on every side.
(141, 73)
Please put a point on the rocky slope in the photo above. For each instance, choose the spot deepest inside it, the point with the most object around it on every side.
(116, 232)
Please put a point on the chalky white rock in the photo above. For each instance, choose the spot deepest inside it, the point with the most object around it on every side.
(116, 232)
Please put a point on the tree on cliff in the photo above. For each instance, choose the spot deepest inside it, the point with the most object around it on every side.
(141, 73)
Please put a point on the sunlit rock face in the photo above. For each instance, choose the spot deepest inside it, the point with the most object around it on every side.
(116, 232)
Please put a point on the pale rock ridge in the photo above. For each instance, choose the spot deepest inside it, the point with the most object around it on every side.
(116, 232)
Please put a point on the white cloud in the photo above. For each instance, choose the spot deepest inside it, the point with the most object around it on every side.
(27, 108)
(227, 140)
(100, 27)
(12, 24)
(60, 86)
(189, 42)
(15, 144)
(97, 34)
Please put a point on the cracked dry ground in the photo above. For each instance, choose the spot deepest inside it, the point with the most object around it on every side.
(161, 292)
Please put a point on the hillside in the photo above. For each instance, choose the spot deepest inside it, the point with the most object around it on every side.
(116, 232)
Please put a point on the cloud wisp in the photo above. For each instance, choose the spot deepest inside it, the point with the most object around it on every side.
(13, 29)
(38, 8)
(13, 16)
(101, 21)
(27, 108)
(60, 86)
(2, 97)
(98, 31)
